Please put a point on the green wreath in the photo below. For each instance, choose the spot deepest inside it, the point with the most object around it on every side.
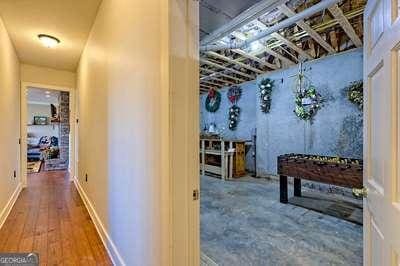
(355, 93)
(308, 103)
(213, 101)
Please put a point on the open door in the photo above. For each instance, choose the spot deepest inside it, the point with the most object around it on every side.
(381, 133)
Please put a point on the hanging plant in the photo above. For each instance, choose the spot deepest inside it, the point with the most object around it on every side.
(266, 87)
(234, 112)
(213, 101)
(355, 93)
(308, 102)
(234, 94)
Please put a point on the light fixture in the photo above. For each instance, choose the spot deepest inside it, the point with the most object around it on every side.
(47, 92)
(48, 41)
(47, 96)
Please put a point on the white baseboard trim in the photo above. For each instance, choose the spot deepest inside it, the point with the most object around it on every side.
(105, 237)
(7, 209)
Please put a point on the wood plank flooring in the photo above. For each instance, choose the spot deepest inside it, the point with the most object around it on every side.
(50, 218)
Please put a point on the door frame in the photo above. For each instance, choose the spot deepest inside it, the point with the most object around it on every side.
(72, 168)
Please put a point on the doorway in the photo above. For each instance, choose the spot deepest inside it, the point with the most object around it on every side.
(47, 131)
(288, 109)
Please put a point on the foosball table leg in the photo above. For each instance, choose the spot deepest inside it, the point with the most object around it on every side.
(297, 187)
(283, 189)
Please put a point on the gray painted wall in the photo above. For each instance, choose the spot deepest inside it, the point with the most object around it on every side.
(247, 124)
(336, 129)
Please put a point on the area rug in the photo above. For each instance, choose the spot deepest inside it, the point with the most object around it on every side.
(34, 167)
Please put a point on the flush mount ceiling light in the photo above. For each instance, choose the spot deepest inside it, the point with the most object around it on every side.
(48, 41)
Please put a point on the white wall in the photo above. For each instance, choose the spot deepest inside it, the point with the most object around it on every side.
(9, 118)
(129, 74)
(48, 76)
(40, 130)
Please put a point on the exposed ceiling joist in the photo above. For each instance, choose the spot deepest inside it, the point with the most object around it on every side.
(227, 59)
(216, 79)
(222, 74)
(204, 61)
(292, 45)
(255, 58)
(207, 82)
(245, 17)
(292, 19)
(345, 24)
(278, 55)
(277, 42)
(313, 34)
(207, 86)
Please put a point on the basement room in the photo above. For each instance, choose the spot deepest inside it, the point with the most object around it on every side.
(281, 122)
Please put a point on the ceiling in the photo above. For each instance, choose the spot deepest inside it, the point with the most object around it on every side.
(68, 20)
(216, 13)
(41, 96)
(245, 47)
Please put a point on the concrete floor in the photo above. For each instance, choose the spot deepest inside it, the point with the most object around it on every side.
(243, 223)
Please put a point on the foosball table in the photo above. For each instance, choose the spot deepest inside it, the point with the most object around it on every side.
(344, 172)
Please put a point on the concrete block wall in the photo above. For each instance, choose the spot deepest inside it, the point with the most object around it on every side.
(336, 129)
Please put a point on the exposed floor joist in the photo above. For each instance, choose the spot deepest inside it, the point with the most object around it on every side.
(290, 45)
(278, 55)
(345, 24)
(217, 79)
(208, 62)
(255, 58)
(247, 16)
(222, 74)
(313, 34)
(227, 59)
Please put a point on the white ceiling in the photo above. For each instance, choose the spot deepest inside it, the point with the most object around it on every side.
(41, 96)
(68, 20)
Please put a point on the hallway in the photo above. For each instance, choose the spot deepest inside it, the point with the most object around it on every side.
(50, 218)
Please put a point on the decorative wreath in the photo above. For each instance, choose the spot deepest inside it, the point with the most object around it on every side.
(213, 101)
(355, 93)
(308, 102)
(234, 94)
(266, 87)
(234, 112)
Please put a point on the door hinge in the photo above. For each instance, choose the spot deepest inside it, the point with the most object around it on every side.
(19, 141)
(196, 194)
(77, 120)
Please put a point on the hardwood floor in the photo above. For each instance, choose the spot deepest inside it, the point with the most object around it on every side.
(50, 218)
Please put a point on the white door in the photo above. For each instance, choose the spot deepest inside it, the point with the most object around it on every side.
(381, 133)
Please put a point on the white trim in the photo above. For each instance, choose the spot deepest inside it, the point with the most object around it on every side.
(7, 209)
(23, 127)
(42, 103)
(101, 230)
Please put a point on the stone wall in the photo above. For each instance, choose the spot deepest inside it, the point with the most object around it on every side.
(62, 162)
(336, 129)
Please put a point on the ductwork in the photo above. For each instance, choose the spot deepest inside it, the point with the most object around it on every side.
(254, 12)
(283, 24)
